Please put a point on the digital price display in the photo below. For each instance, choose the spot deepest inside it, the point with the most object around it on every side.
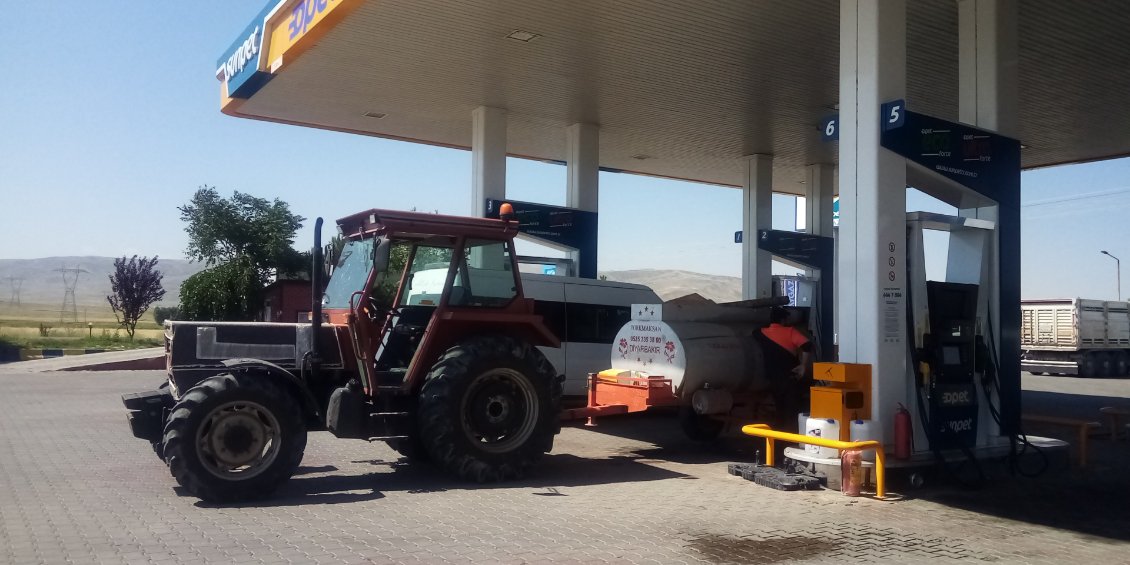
(978, 159)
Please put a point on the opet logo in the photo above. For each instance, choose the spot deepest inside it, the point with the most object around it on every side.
(303, 15)
(243, 54)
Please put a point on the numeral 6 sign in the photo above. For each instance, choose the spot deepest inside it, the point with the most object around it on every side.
(830, 128)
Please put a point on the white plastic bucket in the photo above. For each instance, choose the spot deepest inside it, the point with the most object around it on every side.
(802, 423)
(827, 428)
(864, 430)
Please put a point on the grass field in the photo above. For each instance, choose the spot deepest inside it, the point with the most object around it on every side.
(39, 325)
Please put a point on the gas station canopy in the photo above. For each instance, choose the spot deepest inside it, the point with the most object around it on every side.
(679, 89)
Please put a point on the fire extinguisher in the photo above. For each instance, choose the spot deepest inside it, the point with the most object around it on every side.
(902, 433)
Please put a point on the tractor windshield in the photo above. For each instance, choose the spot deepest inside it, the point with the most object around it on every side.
(349, 274)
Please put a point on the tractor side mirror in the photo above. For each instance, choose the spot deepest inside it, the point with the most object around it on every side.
(381, 255)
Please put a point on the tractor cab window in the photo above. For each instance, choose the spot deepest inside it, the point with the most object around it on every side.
(485, 277)
(427, 276)
(349, 274)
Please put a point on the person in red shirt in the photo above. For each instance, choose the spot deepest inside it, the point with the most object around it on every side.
(788, 360)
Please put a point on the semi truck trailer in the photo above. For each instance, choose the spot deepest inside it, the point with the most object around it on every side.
(1075, 336)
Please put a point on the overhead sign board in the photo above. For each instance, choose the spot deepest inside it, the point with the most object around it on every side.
(297, 21)
(238, 68)
(556, 226)
(283, 27)
(984, 161)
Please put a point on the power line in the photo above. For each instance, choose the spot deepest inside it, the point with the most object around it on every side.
(17, 284)
(70, 281)
(1076, 197)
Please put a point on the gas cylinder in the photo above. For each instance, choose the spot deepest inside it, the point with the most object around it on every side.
(851, 472)
(902, 433)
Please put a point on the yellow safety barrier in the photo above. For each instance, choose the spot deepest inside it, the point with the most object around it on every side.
(763, 430)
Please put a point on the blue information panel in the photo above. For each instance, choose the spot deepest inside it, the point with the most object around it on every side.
(986, 162)
(559, 225)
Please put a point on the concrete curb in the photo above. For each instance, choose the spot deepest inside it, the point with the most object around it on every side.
(48, 353)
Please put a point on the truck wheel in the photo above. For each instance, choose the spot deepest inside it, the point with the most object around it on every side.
(489, 409)
(1088, 366)
(1106, 365)
(1122, 364)
(234, 437)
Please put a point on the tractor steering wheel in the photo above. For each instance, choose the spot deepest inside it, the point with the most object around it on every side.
(379, 311)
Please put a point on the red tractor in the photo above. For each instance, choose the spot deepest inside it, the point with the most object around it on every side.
(423, 339)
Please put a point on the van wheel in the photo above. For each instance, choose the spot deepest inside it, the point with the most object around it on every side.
(489, 409)
(698, 427)
(234, 437)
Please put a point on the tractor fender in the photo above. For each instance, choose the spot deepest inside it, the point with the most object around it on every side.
(302, 392)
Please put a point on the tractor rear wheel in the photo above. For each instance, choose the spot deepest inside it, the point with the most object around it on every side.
(489, 409)
(234, 437)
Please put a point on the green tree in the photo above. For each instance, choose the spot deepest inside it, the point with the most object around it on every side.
(162, 313)
(230, 291)
(243, 226)
(135, 285)
(245, 241)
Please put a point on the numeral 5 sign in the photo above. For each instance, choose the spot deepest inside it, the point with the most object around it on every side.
(893, 114)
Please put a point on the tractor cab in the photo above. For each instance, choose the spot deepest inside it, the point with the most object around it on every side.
(410, 285)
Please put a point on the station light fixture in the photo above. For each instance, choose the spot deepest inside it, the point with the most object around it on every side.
(522, 35)
(641, 157)
(376, 115)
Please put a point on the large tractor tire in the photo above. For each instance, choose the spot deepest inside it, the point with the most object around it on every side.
(234, 437)
(489, 409)
(412, 448)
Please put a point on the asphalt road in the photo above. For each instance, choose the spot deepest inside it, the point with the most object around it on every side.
(76, 487)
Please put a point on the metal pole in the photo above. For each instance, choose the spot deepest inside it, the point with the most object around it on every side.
(1117, 272)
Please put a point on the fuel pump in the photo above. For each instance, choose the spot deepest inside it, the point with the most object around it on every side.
(948, 356)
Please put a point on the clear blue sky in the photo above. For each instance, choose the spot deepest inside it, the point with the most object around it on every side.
(109, 119)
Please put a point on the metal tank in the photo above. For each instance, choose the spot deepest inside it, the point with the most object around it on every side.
(697, 344)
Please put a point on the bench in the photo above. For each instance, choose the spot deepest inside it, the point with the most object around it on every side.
(1082, 428)
(1114, 415)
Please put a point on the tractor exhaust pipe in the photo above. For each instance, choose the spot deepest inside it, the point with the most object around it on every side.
(316, 272)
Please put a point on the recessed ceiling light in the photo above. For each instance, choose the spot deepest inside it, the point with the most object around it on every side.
(1022, 146)
(377, 115)
(522, 35)
(641, 157)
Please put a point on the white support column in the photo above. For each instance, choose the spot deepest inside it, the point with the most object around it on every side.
(757, 214)
(987, 59)
(872, 246)
(987, 94)
(582, 158)
(488, 156)
(818, 193)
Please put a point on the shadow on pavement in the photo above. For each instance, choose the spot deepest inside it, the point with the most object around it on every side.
(1094, 500)
(554, 471)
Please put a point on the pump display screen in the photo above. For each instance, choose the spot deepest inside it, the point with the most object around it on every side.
(951, 355)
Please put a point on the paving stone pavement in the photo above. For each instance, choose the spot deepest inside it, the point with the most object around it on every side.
(76, 487)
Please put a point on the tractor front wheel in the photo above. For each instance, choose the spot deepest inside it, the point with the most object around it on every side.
(234, 437)
(489, 409)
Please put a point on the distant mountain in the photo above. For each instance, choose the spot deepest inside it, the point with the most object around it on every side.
(43, 284)
(669, 284)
